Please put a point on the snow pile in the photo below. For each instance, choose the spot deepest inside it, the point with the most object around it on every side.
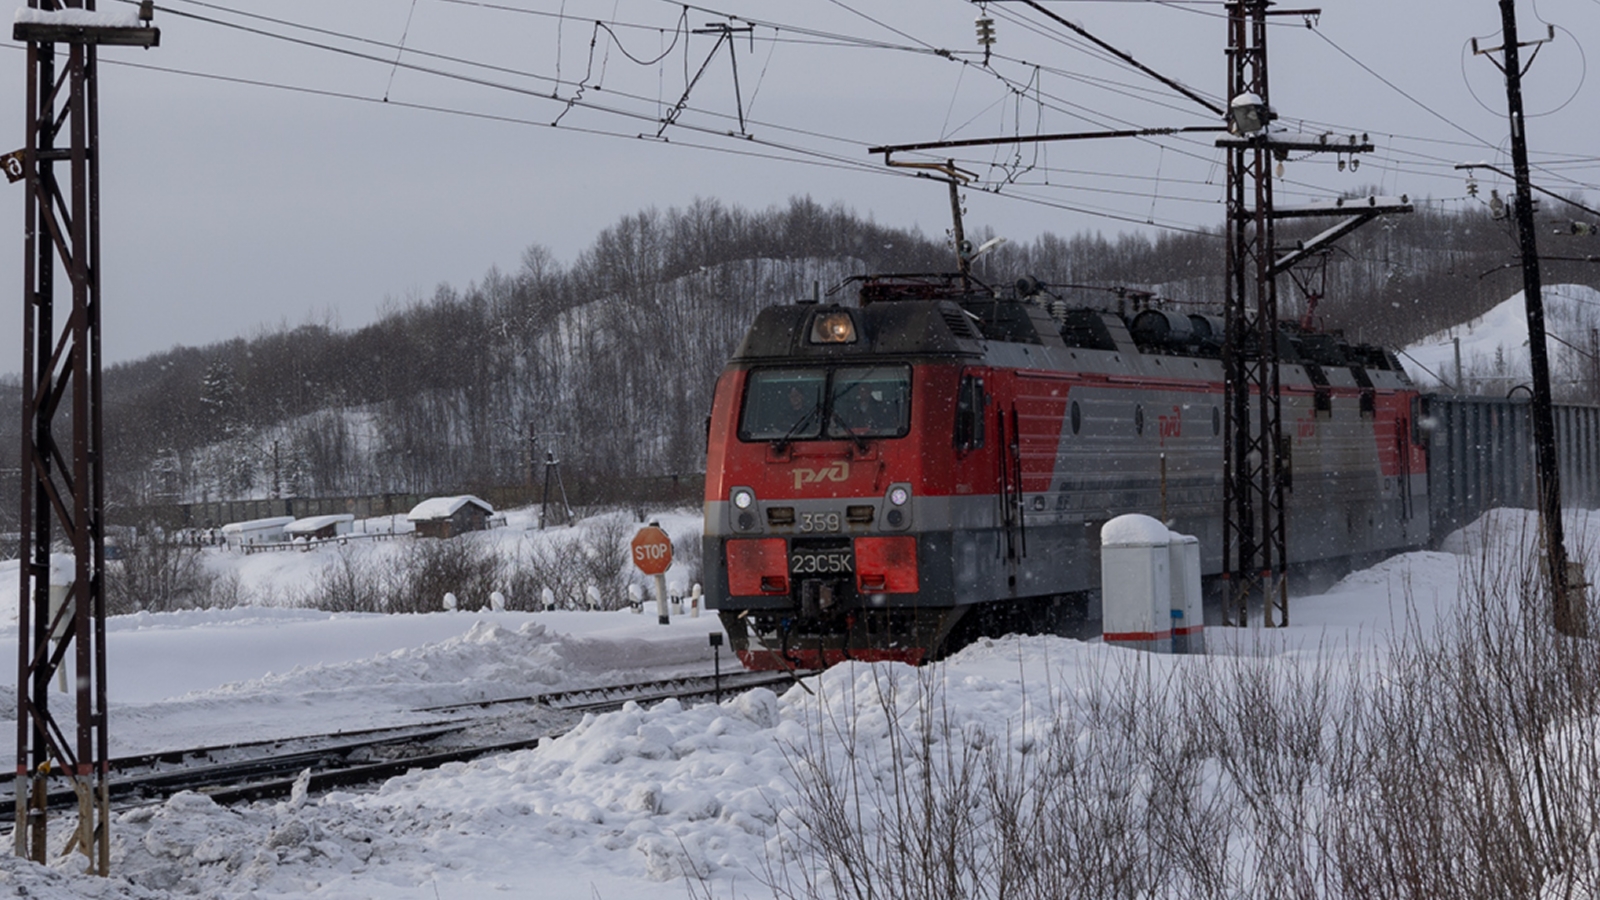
(208, 675)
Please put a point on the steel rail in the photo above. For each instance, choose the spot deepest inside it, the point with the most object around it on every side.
(682, 686)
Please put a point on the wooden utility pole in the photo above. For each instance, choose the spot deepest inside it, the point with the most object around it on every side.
(1565, 579)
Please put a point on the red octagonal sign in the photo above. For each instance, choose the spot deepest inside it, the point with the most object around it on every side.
(652, 550)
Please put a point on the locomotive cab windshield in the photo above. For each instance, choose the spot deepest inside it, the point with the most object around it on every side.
(832, 403)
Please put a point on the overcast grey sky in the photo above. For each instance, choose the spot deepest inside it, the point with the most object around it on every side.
(254, 174)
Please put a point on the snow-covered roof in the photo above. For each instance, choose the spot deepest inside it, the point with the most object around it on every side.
(316, 523)
(445, 507)
(269, 524)
(1134, 530)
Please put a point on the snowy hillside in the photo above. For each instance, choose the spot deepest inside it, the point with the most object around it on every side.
(1494, 347)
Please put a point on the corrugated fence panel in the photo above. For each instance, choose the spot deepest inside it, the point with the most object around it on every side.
(1481, 456)
(216, 513)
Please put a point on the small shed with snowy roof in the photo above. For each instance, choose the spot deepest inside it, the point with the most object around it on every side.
(444, 517)
(238, 535)
(314, 528)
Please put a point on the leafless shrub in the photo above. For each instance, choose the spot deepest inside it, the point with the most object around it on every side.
(605, 557)
(156, 575)
(227, 592)
(567, 566)
(555, 566)
(1482, 753)
(461, 566)
(1462, 763)
(922, 785)
(354, 582)
(1096, 797)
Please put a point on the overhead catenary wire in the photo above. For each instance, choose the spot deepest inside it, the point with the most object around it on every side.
(458, 76)
(483, 82)
(814, 159)
(443, 57)
(1006, 174)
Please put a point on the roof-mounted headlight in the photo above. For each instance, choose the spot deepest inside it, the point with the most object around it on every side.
(835, 327)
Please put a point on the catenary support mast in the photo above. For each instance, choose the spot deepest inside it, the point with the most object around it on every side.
(1254, 536)
(61, 619)
(1256, 461)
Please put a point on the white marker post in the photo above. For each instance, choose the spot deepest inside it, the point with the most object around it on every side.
(652, 555)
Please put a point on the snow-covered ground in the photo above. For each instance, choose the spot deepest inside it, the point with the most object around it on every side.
(663, 801)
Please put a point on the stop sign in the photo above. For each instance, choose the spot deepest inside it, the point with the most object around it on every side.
(652, 550)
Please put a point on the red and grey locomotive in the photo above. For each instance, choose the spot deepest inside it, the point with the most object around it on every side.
(888, 480)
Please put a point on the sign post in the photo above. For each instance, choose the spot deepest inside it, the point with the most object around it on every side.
(652, 555)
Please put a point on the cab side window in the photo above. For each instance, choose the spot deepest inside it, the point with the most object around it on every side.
(969, 413)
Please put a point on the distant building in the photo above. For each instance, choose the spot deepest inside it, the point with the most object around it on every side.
(444, 517)
(238, 535)
(315, 528)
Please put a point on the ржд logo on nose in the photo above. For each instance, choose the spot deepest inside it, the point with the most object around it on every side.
(839, 471)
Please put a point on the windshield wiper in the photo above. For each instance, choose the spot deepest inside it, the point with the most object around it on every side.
(799, 425)
(859, 440)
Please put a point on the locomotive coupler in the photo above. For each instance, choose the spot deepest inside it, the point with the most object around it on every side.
(816, 597)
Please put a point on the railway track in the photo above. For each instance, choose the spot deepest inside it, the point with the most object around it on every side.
(685, 687)
(263, 770)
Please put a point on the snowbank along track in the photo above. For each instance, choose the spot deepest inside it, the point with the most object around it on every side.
(261, 770)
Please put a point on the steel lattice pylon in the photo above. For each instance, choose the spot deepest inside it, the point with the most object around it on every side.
(1257, 461)
(1255, 539)
(61, 628)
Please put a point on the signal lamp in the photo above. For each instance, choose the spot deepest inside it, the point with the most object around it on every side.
(833, 328)
(743, 498)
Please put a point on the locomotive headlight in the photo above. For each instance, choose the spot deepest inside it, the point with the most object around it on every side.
(833, 328)
(898, 516)
(744, 514)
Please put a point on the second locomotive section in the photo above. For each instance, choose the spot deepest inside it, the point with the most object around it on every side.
(887, 481)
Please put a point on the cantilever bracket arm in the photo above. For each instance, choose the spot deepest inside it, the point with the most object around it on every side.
(890, 149)
(1314, 244)
(102, 35)
(949, 170)
(1469, 166)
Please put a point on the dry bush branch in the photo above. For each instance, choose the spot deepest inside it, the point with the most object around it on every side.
(1462, 761)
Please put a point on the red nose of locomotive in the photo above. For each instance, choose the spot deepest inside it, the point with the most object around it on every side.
(816, 467)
